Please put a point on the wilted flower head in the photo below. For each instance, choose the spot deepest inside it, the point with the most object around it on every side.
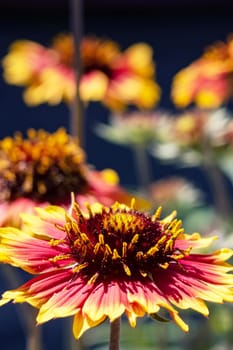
(110, 261)
(45, 168)
(134, 128)
(207, 82)
(111, 76)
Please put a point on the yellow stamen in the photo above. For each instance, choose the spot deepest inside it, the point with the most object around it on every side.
(54, 242)
(108, 249)
(115, 255)
(139, 255)
(84, 251)
(169, 244)
(134, 240)
(59, 227)
(157, 214)
(77, 210)
(168, 219)
(143, 273)
(93, 278)
(75, 227)
(161, 240)
(96, 248)
(80, 267)
(164, 266)
(178, 256)
(126, 269)
(60, 257)
(101, 239)
(152, 250)
(84, 238)
(124, 249)
(88, 206)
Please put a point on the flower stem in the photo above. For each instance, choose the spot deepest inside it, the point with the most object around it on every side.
(76, 106)
(26, 313)
(73, 344)
(33, 332)
(217, 182)
(115, 327)
(142, 168)
(219, 191)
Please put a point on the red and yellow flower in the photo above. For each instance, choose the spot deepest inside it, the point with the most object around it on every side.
(111, 76)
(108, 261)
(44, 168)
(207, 82)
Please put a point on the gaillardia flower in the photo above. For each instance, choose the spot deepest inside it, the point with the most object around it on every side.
(175, 192)
(134, 128)
(109, 75)
(110, 261)
(43, 168)
(206, 82)
(193, 134)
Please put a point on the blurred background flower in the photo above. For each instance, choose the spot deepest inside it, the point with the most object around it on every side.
(193, 135)
(109, 75)
(207, 82)
(44, 168)
(175, 192)
(133, 128)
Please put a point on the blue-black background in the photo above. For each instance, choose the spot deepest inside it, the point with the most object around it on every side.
(178, 32)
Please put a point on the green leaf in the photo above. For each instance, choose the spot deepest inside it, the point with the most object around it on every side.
(159, 318)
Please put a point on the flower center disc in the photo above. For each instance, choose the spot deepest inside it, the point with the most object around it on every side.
(121, 242)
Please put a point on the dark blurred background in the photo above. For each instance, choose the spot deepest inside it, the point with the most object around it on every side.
(178, 31)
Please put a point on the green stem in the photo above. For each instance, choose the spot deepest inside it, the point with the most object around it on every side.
(32, 332)
(217, 182)
(219, 191)
(73, 344)
(76, 106)
(142, 168)
(115, 327)
(26, 313)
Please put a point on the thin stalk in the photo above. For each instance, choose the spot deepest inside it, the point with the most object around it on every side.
(115, 328)
(219, 191)
(32, 331)
(217, 182)
(73, 344)
(77, 128)
(26, 313)
(76, 106)
(142, 168)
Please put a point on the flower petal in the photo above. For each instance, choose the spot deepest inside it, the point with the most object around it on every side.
(46, 222)
(67, 301)
(107, 299)
(82, 323)
(196, 278)
(39, 289)
(34, 255)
